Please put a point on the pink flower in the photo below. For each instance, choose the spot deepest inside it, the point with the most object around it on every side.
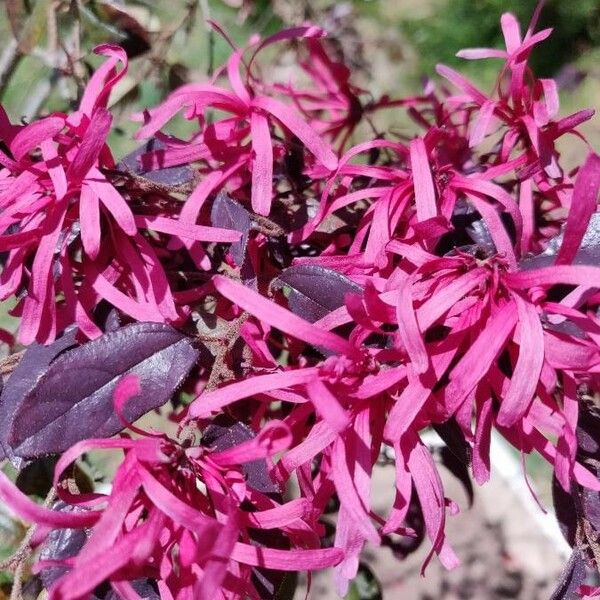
(60, 208)
(254, 114)
(158, 522)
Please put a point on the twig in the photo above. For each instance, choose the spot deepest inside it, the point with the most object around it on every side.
(266, 226)
(10, 363)
(9, 61)
(17, 586)
(220, 370)
(17, 561)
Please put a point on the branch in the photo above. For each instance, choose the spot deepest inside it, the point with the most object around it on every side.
(9, 61)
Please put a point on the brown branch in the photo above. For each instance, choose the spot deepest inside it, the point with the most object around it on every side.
(16, 562)
(9, 61)
(10, 363)
(220, 371)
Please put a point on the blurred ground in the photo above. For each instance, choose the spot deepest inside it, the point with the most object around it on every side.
(506, 547)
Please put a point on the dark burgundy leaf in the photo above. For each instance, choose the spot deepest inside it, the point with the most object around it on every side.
(469, 231)
(32, 366)
(314, 290)
(229, 214)
(169, 176)
(459, 469)
(453, 437)
(571, 578)
(61, 544)
(73, 400)
(588, 253)
(36, 477)
(588, 427)
(566, 512)
(222, 435)
(590, 503)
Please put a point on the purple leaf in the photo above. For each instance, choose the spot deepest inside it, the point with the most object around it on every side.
(566, 512)
(222, 435)
(61, 544)
(73, 400)
(229, 214)
(588, 253)
(23, 379)
(169, 176)
(459, 469)
(314, 290)
(452, 435)
(571, 578)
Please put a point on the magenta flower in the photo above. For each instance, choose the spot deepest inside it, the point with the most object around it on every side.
(254, 114)
(156, 522)
(57, 199)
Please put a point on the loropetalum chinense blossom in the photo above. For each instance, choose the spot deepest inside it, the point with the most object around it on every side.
(343, 294)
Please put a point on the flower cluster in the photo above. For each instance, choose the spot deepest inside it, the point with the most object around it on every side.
(342, 298)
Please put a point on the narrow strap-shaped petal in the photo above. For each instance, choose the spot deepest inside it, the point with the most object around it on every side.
(91, 145)
(318, 438)
(327, 405)
(539, 442)
(172, 506)
(89, 218)
(213, 400)
(286, 560)
(547, 276)
(478, 359)
(114, 202)
(511, 31)
(215, 570)
(481, 445)
(104, 79)
(482, 122)
(584, 202)
(279, 516)
(478, 53)
(298, 126)
(276, 316)
(346, 486)
(403, 484)
(186, 230)
(425, 199)
(262, 168)
(55, 168)
(461, 82)
(33, 135)
(274, 437)
(39, 300)
(428, 486)
(30, 511)
(527, 371)
(436, 306)
(106, 290)
(408, 327)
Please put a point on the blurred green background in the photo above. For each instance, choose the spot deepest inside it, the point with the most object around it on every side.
(392, 46)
